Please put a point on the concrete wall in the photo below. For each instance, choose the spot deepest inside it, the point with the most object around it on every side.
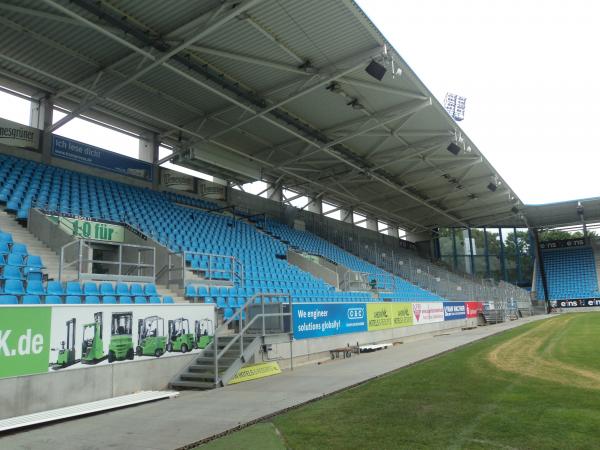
(35, 393)
(48, 232)
(329, 276)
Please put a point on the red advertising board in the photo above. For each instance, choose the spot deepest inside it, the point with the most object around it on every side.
(473, 309)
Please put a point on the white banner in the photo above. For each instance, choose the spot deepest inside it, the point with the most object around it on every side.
(90, 335)
(427, 312)
(212, 191)
(176, 180)
(16, 135)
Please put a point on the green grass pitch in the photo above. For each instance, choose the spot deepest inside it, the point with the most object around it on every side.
(534, 387)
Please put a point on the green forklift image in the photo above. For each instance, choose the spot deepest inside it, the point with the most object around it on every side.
(66, 352)
(92, 347)
(203, 332)
(151, 337)
(121, 342)
(180, 338)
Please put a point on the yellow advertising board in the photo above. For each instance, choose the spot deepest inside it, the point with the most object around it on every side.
(379, 316)
(402, 315)
(255, 371)
(383, 316)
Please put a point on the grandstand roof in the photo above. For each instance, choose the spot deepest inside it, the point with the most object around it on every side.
(261, 88)
(563, 214)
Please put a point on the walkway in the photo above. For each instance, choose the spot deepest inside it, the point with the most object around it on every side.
(193, 416)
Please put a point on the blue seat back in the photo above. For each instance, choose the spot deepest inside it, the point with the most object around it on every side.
(9, 300)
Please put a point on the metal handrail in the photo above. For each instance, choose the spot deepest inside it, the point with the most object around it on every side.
(239, 316)
(81, 260)
(236, 269)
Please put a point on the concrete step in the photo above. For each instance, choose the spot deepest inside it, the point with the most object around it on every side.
(224, 361)
(177, 298)
(182, 384)
(195, 376)
(205, 368)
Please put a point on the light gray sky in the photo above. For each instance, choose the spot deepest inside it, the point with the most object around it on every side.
(529, 70)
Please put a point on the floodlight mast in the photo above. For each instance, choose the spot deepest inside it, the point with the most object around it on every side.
(582, 219)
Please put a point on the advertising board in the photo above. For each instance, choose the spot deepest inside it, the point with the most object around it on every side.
(101, 158)
(37, 339)
(313, 320)
(428, 312)
(454, 310)
(16, 135)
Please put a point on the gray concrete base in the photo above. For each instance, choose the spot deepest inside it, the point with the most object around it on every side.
(194, 416)
(36, 393)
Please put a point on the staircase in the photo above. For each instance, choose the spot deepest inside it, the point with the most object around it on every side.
(174, 294)
(35, 247)
(493, 316)
(258, 323)
(201, 373)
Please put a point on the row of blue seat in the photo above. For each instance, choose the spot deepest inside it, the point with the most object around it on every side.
(31, 299)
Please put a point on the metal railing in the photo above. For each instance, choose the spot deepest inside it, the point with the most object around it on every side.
(132, 263)
(364, 281)
(223, 268)
(255, 319)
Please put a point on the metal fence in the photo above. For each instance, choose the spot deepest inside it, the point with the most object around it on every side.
(116, 262)
(388, 253)
(189, 267)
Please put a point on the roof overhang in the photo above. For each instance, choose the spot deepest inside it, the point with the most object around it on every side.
(279, 88)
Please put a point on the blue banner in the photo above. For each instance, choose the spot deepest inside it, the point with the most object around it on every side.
(103, 159)
(454, 310)
(313, 320)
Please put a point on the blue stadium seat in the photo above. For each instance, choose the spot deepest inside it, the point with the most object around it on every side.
(154, 299)
(14, 287)
(9, 300)
(35, 261)
(125, 300)
(74, 288)
(73, 300)
(92, 300)
(228, 313)
(150, 289)
(190, 291)
(53, 300)
(168, 299)
(107, 289)
(54, 288)
(90, 288)
(19, 249)
(109, 300)
(136, 290)
(15, 259)
(35, 287)
(12, 273)
(122, 289)
(31, 300)
(138, 300)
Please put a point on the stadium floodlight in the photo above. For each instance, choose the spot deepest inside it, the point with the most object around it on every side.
(492, 186)
(455, 105)
(453, 148)
(376, 70)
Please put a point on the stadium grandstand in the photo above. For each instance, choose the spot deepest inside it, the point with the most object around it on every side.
(296, 188)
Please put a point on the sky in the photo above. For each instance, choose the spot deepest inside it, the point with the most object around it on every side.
(529, 70)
